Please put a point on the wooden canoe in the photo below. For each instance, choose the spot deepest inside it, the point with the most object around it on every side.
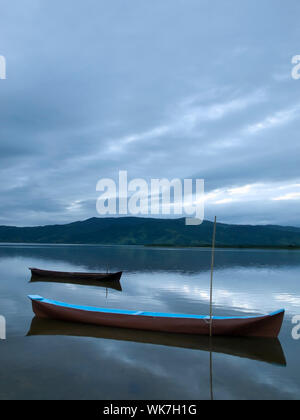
(250, 326)
(268, 350)
(36, 272)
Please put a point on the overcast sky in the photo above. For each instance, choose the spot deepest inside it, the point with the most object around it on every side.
(172, 88)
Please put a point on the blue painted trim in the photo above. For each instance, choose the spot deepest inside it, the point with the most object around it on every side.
(35, 297)
(125, 312)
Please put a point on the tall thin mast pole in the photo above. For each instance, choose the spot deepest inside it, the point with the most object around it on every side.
(211, 275)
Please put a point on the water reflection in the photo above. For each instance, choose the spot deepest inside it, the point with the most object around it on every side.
(132, 365)
(144, 259)
(110, 284)
(260, 349)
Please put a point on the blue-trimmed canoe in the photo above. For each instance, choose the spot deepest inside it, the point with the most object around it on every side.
(250, 326)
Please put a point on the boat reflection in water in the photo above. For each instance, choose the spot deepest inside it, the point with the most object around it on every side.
(267, 350)
(108, 284)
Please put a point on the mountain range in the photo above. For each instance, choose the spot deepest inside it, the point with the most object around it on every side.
(151, 231)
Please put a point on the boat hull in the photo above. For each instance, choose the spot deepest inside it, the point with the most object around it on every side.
(36, 272)
(262, 326)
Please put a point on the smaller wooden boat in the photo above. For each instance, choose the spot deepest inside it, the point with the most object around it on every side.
(36, 272)
(266, 350)
(248, 326)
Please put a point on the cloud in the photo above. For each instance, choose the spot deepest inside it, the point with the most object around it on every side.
(278, 119)
(254, 192)
(289, 196)
(159, 90)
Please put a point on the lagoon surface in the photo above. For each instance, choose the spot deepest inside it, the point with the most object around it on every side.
(54, 360)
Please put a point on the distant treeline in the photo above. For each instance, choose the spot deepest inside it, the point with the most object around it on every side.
(155, 232)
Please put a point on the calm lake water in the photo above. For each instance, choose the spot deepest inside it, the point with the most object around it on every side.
(54, 360)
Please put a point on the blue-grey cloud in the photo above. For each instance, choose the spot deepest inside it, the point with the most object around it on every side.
(161, 89)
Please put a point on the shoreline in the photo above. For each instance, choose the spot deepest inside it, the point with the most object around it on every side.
(162, 246)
